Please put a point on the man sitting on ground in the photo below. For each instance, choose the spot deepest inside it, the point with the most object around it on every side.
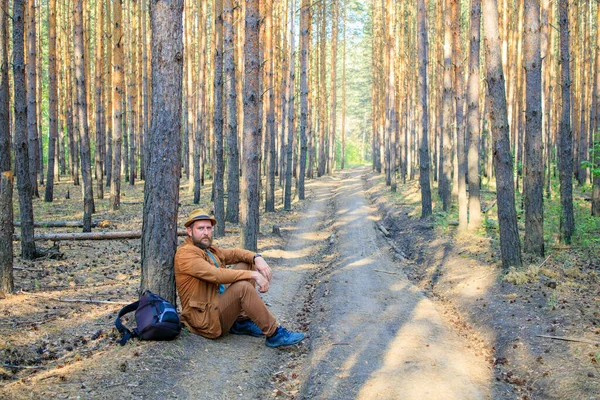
(209, 307)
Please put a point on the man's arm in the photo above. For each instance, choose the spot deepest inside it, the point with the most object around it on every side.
(191, 262)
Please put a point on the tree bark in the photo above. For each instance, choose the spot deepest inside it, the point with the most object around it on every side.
(424, 171)
(445, 174)
(6, 175)
(53, 101)
(233, 161)
(81, 109)
(304, 118)
(99, 155)
(28, 249)
(291, 109)
(333, 110)
(117, 105)
(473, 117)
(161, 189)
(322, 162)
(596, 133)
(250, 221)
(132, 93)
(32, 123)
(202, 106)
(510, 245)
(565, 142)
(534, 164)
(218, 198)
(269, 104)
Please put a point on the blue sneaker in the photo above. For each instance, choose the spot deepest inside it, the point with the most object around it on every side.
(283, 337)
(246, 327)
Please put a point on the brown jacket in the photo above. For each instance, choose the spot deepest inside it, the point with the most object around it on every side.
(198, 281)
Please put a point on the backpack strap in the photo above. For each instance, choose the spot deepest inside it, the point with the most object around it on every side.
(127, 334)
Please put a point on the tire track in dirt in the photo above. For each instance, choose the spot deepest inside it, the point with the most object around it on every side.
(374, 334)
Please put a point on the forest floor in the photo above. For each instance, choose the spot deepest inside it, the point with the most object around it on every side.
(416, 313)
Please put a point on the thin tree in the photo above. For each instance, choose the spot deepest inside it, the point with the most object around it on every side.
(565, 141)
(202, 106)
(100, 152)
(445, 164)
(533, 196)
(322, 162)
(161, 189)
(117, 105)
(596, 132)
(343, 149)
(81, 110)
(32, 122)
(333, 72)
(249, 220)
(269, 104)
(304, 118)
(132, 93)
(218, 189)
(28, 249)
(53, 101)
(291, 112)
(6, 175)
(510, 245)
(233, 161)
(423, 105)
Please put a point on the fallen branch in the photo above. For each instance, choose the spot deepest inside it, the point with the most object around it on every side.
(387, 272)
(382, 229)
(58, 224)
(88, 301)
(27, 269)
(92, 235)
(569, 339)
(23, 366)
(341, 344)
(488, 208)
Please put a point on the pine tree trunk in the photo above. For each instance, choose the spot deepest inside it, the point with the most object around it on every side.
(117, 105)
(250, 221)
(534, 164)
(596, 133)
(81, 110)
(287, 196)
(202, 106)
(53, 101)
(6, 175)
(510, 245)
(445, 181)
(109, 117)
(99, 155)
(32, 123)
(28, 249)
(422, 45)
(323, 93)
(161, 189)
(565, 141)
(270, 131)
(333, 72)
(132, 93)
(304, 117)
(219, 201)
(233, 161)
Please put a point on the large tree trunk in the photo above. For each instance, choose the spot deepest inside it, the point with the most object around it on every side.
(32, 123)
(161, 189)
(445, 180)
(510, 245)
(473, 117)
(81, 110)
(218, 189)
(28, 249)
(287, 196)
(565, 142)
(596, 133)
(117, 105)
(6, 175)
(252, 130)
(53, 101)
(534, 163)
(424, 171)
(233, 161)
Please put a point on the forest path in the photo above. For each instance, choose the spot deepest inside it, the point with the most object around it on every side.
(374, 334)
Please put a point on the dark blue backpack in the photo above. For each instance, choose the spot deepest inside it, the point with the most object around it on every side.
(156, 319)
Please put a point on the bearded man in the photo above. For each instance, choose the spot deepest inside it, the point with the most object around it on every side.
(216, 299)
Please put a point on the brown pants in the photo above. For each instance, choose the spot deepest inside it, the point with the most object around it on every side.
(240, 300)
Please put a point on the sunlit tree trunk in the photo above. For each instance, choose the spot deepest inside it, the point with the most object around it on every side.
(219, 201)
(291, 109)
(343, 144)
(596, 133)
(202, 106)
(269, 104)
(249, 220)
(510, 245)
(53, 101)
(132, 92)
(304, 117)
(333, 72)
(534, 164)
(6, 174)
(565, 142)
(423, 105)
(100, 148)
(473, 117)
(323, 92)
(32, 123)
(117, 105)
(28, 249)
(445, 174)
(161, 189)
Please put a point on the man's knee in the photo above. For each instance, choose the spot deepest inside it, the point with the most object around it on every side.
(242, 287)
(242, 266)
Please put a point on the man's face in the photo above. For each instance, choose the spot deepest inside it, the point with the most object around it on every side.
(201, 233)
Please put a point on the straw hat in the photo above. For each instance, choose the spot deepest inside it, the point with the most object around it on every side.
(198, 215)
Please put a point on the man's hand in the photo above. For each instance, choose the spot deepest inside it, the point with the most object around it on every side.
(261, 281)
(262, 267)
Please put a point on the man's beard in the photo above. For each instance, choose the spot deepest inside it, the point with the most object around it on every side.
(204, 242)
